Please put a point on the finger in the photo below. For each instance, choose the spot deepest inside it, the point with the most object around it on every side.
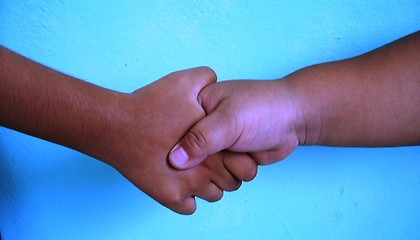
(210, 135)
(175, 196)
(240, 165)
(210, 193)
(186, 207)
(220, 174)
(273, 155)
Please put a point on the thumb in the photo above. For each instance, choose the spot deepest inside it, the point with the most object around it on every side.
(210, 135)
(195, 79)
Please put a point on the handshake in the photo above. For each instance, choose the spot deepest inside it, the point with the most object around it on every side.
(180, 137)
(186, 136)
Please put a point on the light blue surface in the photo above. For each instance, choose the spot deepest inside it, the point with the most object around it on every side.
(50, 192)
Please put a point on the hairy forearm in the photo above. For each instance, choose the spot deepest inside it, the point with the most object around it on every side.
(369, 100)
(47, 104)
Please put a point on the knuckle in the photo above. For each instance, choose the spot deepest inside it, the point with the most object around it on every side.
(177, 198)
(176, 75)
(235, 186)
(187, 210)
(178, 204)
(209, 71)
(251, 172)
(174, 199)
(216, 196)
(228, 123)
(263, 158)
(196, 142)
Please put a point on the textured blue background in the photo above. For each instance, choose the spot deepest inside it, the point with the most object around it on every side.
(51, 192)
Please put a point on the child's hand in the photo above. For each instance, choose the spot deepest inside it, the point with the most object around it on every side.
(371, 100)
(257, 117)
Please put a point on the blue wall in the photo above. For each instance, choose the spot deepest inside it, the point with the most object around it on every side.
(50, 192)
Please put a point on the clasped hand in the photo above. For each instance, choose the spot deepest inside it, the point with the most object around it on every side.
(217, 116)
(155, 117)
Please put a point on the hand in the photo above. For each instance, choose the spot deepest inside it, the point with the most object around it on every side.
(154, 118)
(258, 117)
(131, 132)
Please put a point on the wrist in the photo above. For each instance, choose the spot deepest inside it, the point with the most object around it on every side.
(297, 113)
(308, 117)
(99, 130)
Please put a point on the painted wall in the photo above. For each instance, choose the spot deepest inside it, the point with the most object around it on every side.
(51, 192)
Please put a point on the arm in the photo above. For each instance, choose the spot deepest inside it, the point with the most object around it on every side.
(44, 103)
(369, 100)
(131, 132)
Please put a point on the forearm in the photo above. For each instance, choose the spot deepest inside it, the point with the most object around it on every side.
(369, 100)
(47, 104)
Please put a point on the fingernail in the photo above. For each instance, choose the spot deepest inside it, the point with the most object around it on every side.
(178, 156)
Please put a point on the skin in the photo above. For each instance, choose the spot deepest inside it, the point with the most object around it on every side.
(131, 132)
(371, 100)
